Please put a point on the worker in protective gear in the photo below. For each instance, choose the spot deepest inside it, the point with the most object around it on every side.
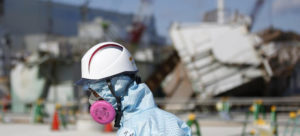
(109, 71)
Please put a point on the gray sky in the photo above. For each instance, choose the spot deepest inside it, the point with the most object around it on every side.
(283, 14)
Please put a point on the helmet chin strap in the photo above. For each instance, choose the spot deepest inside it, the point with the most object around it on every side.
(119, 112)
(119, 104)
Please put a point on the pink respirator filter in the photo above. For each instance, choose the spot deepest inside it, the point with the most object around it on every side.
(102, 112)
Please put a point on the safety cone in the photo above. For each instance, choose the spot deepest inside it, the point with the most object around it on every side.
(55, 121)
(108, 128)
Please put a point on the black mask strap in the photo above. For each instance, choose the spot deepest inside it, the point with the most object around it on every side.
(118, 98)
(137, 79)
(119, 104)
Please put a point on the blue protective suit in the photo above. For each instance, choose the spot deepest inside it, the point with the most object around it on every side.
(141, 116)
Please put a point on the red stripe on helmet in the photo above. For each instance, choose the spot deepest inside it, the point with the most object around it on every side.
(107, 45)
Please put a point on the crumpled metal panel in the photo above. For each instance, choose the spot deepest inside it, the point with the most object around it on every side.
(217, 57)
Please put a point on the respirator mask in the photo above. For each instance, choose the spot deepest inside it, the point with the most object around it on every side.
(101, 111)
(105, 98)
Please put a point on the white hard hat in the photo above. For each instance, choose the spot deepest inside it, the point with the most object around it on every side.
(105, 60)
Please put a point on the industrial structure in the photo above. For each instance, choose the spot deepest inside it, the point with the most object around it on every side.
(43, 42)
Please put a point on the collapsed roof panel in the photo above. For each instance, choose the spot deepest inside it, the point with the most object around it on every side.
(218, 57)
